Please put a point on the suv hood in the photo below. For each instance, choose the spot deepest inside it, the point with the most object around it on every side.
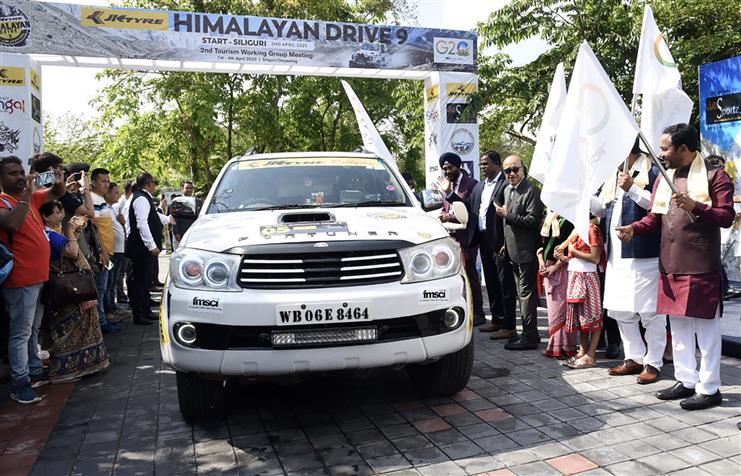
(222, 231)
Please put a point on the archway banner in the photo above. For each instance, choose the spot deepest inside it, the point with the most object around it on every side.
(188, 41)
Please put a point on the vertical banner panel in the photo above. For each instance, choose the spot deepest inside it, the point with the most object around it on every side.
(450, 123)
(20, 107)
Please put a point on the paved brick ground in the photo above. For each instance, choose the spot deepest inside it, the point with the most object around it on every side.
(521, 414)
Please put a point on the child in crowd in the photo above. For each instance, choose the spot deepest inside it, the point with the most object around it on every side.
(584, 305)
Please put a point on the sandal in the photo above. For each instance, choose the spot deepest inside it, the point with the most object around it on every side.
(583, 364)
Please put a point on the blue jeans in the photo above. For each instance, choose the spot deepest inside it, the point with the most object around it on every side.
(25, 310)
(110, 292)
(101, 283)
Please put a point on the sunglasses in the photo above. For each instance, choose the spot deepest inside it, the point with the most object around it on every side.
(511, 170)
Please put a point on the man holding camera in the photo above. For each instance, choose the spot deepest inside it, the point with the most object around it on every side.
(22, 230)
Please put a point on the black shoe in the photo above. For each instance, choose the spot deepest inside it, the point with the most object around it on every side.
(699, 401)
(142, 322)
(152, 317)
(122, 300)
(613, 351)
(674, 392)
(478, 321)
(521, 344)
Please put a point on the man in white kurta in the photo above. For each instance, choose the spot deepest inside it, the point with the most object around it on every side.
(631, 281)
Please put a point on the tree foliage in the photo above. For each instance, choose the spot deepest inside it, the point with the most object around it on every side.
(697, 33)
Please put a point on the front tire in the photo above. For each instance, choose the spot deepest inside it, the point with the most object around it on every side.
(445, 377)
(199, 397)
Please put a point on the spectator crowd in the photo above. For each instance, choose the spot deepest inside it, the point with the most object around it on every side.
(71, 237)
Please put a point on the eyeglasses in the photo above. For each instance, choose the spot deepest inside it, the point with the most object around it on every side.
(511, 170)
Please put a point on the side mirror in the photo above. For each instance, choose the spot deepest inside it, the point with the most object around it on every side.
(432, 200)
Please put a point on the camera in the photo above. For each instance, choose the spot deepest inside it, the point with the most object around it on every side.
(45, 179)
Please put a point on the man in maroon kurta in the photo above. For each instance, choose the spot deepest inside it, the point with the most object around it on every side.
(689, 263)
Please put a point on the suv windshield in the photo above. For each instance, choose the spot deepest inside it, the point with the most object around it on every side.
(298, 182)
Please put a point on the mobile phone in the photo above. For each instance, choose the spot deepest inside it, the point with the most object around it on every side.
(44, 179)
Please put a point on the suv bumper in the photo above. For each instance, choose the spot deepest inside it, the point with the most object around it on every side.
(256, 309)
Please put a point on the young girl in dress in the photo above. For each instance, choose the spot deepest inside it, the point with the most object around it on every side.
(583, 302)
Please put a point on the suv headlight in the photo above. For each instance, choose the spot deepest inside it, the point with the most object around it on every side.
(197, 269)
(434, 260)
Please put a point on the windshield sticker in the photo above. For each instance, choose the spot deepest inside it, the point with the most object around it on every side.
(390, 188)
(374, 164)
(290, 231)
(386, 216)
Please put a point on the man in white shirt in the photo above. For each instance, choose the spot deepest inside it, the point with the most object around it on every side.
(112, 199)
(104, 218)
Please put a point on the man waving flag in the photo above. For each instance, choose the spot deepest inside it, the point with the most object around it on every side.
(657, 79)
(595, 134)
(549, 125)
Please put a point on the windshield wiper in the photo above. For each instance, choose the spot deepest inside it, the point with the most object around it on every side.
(374, 203)
(284, 207)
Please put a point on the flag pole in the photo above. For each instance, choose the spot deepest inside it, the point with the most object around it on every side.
(662, 169)
(633, 104)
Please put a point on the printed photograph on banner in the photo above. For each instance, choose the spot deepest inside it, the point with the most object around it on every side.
(90, 31)
(460, 113)
(10, 139)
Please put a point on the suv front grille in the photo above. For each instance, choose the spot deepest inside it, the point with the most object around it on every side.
(323, 268)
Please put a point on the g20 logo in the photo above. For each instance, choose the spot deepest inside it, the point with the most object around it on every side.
(451, 47)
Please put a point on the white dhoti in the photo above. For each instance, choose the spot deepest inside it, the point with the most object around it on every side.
(707, 332)
(631, 292)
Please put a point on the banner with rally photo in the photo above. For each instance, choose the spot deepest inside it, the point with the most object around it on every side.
(32, 27)
(720, 133)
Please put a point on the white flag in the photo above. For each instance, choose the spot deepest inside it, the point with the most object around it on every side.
(372, 140)
(595, 135)
(657, 79)
(549, 126)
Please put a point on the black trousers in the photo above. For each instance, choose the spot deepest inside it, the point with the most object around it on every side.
(526, 277)
(500, 285)
(139, 284)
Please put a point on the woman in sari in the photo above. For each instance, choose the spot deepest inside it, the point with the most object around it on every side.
(71, 333)
(556, 230)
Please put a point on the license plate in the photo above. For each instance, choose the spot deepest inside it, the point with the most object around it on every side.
(328, 313)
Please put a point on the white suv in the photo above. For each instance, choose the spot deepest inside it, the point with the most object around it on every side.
(311, 262)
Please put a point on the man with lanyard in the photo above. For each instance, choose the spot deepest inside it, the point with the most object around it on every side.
(145, 232)
(632, 275)
(462, 186)
(689, 263)
(22, 230)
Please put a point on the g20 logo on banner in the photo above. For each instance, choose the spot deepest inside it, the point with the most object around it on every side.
(14, 26)
(453, 50)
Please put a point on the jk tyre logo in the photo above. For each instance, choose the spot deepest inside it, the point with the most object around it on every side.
(12, 76)
(14, 26)
(125, 19)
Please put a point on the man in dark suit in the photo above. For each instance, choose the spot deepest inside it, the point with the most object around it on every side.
(462, 185)
(486, 230)
(522, 213)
